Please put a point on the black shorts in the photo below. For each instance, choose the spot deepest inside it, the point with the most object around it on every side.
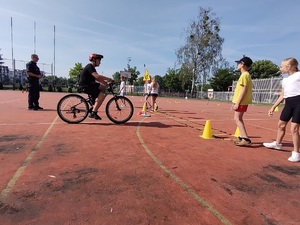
(92, 90)
(291, 110)
(153, 94)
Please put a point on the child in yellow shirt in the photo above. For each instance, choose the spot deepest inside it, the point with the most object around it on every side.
(242, 98)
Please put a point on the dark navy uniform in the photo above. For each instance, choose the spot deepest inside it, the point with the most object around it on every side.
(33, 85)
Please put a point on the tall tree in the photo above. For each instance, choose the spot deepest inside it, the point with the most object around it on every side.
(172, 80)
(203, 47)
(116, 77)
(134, 75)
(160, 80)
(74, 72)
(223, 78)
(264, 69)
(186, 77)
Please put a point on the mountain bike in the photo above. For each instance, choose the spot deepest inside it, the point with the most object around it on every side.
(73, 108)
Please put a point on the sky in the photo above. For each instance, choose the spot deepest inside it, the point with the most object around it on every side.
(145, 34)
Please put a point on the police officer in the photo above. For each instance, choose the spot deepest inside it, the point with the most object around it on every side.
(33, 75)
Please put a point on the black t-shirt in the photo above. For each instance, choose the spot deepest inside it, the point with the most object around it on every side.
(86, 76)
(33, 68)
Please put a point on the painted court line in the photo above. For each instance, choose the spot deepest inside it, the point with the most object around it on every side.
(25, 163)
(15, 100)
(184, 186)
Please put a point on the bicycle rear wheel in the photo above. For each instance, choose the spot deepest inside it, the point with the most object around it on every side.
(72, 108)
(119, 109)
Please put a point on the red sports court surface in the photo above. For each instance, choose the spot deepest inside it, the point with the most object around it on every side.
(152, 170)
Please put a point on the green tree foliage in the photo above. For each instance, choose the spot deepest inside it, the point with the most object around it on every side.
(172, 81)
(186, 78)
(134, 74)
(140, 81)
(74, 72)
(116, 77)
(223, 78)
(132, 79)
(264, 69)
(160, 81)
(203, 47)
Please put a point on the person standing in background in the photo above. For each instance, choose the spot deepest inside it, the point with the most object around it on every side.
(291, 94)
(122, 90)
(153, 92)
(122, 86)
(33, 75)
(146, 93)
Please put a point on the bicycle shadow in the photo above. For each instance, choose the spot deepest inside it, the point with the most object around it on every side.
(136, 124)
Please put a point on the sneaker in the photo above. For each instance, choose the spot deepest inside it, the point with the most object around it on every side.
(38, 107)
(95, 116)
(295, 157)
(243, 142)
(273, 145)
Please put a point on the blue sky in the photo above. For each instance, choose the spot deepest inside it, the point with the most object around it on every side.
(148, 32)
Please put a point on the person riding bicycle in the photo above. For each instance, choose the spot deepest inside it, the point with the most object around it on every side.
(89, 85)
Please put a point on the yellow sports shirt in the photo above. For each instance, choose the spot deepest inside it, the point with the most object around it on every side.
(244, 80)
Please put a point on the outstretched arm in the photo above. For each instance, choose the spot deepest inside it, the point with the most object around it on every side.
(102, 79)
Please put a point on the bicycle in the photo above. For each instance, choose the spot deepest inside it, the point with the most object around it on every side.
(73, 108)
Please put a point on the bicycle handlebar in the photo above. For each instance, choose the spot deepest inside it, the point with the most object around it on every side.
(110, 82)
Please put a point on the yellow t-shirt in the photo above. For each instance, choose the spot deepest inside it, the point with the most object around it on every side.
(244, 80)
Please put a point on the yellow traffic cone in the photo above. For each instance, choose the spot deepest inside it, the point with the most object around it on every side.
(207, 133)
(155, 106)
(276, 109)
(237, 132)
(144, 111)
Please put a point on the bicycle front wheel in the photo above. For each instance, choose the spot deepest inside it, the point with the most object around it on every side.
(119, 109)
(72, 108)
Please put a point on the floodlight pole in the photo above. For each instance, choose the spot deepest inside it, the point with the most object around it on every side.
(12, 54)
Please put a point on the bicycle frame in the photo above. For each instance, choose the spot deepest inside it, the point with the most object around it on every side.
(119, 109)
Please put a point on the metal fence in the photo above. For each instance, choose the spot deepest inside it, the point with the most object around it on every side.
(264, 91)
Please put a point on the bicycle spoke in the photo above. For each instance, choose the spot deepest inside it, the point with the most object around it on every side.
(73, 109)
(119, 110)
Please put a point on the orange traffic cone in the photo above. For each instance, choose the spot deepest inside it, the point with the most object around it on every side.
(207, 132)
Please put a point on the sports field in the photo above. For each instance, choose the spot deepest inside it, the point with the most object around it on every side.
(150, 171)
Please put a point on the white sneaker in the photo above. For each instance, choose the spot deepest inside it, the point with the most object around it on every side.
(295, 157)
(273, 145)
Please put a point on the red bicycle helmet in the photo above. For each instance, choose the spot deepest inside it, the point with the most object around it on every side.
(94, 56)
